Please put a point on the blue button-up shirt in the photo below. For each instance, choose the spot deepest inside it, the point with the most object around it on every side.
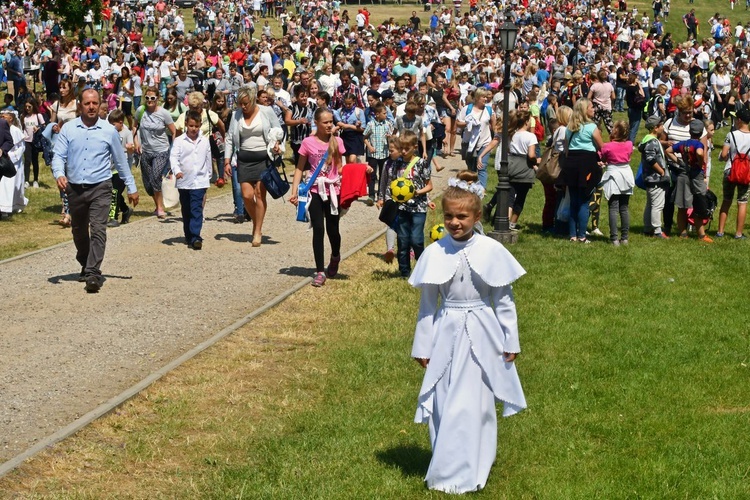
(85, 154)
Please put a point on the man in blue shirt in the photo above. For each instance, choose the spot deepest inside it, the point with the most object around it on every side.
(84, 151)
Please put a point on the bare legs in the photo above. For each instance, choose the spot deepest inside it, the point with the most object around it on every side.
(254, 196)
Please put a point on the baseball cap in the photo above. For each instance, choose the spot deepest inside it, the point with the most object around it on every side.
(386, 94)
(696, 127)
(653, 121)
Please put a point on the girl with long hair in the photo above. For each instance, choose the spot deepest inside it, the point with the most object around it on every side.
(322, 206)
(581, 171)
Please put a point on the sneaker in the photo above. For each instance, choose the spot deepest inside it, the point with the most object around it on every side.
(126, 215)
(319, 280)
(370, 201)
(36, 185)
(388, 256)
(93, 284)
(740, 237)
(597, 232)
(616, 243)
(113, 223)
(26, 185)
(624, 242)
(661, 236)
(197, 245)
(719, 235)
(706, 239)
(584, 240)
(220, 182)
(333, 267)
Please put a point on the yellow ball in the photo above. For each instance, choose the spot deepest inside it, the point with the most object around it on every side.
(437, 232)
(402, 190)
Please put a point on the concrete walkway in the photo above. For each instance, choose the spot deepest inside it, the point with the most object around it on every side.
(63, 352)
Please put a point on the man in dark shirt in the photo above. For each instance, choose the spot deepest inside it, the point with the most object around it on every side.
(414, 20)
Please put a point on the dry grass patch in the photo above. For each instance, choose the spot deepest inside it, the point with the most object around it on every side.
(160, 443)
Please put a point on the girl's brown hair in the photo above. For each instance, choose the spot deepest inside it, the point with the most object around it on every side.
(458, 195)
(619, 132)
(518, 119)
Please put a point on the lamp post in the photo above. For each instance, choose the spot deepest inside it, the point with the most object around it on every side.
(501, 228)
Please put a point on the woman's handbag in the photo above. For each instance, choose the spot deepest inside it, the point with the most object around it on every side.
(7, 168)
(169, 192)
(549, 168)
(276, 186)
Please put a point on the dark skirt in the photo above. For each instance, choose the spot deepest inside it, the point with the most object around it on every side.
(250, 165)
(581, 169)
(354, 142)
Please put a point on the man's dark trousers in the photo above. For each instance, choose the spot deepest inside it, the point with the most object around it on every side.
(89, 213)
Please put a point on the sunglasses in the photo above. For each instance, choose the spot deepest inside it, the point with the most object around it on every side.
(151, 98)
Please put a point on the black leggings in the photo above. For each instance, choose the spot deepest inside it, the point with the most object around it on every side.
(518, 192)
(31, 157)
(320, 211)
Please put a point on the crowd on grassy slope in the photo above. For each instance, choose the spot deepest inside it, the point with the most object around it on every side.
(425, 72)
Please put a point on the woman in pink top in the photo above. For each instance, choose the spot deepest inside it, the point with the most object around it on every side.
(602, 94)
(618, 182)
(323, 199)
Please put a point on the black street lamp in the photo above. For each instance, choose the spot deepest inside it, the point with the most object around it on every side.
(501, 228)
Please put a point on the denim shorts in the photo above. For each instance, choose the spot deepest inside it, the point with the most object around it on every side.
(729, 187)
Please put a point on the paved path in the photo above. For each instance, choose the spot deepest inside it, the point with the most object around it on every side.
(63, 352)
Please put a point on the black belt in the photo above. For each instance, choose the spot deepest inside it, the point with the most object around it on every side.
(84, 186)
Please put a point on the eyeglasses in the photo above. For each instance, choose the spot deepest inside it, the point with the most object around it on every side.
(151, 98)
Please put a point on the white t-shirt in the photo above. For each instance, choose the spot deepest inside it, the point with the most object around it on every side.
(521, 142)
(740, 142)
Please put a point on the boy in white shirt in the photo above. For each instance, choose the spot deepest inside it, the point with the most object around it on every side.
(191, 164)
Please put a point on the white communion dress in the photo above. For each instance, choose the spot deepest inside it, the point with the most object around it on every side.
(467, 319)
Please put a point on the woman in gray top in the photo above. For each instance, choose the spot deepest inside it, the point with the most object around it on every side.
(252, 130)
(152, 142)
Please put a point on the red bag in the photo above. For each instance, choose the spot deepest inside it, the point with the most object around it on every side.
(739, 172)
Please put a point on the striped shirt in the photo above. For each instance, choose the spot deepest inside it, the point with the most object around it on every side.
(377, 133)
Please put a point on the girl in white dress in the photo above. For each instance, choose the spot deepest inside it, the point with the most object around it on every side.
(467, 339)
(12, 199)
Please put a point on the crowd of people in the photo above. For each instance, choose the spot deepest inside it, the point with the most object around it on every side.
(399, 97)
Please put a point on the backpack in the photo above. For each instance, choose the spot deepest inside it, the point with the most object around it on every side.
(652, 107)
(739, 172)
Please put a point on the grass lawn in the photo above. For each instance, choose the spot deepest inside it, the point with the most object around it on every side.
(635, 365)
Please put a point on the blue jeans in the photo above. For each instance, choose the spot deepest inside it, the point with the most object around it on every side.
(239, 204)
(472, 162)
(410, 235)
(191, 203)
(619, 99)
(634, 121)
(579, 211)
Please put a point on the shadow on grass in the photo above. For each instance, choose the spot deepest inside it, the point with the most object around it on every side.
(56, 280)
(411, 459)
(380, 275)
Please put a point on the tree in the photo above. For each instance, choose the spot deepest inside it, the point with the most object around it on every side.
(70, 13)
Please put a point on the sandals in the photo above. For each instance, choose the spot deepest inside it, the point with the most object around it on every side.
(65, 220)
